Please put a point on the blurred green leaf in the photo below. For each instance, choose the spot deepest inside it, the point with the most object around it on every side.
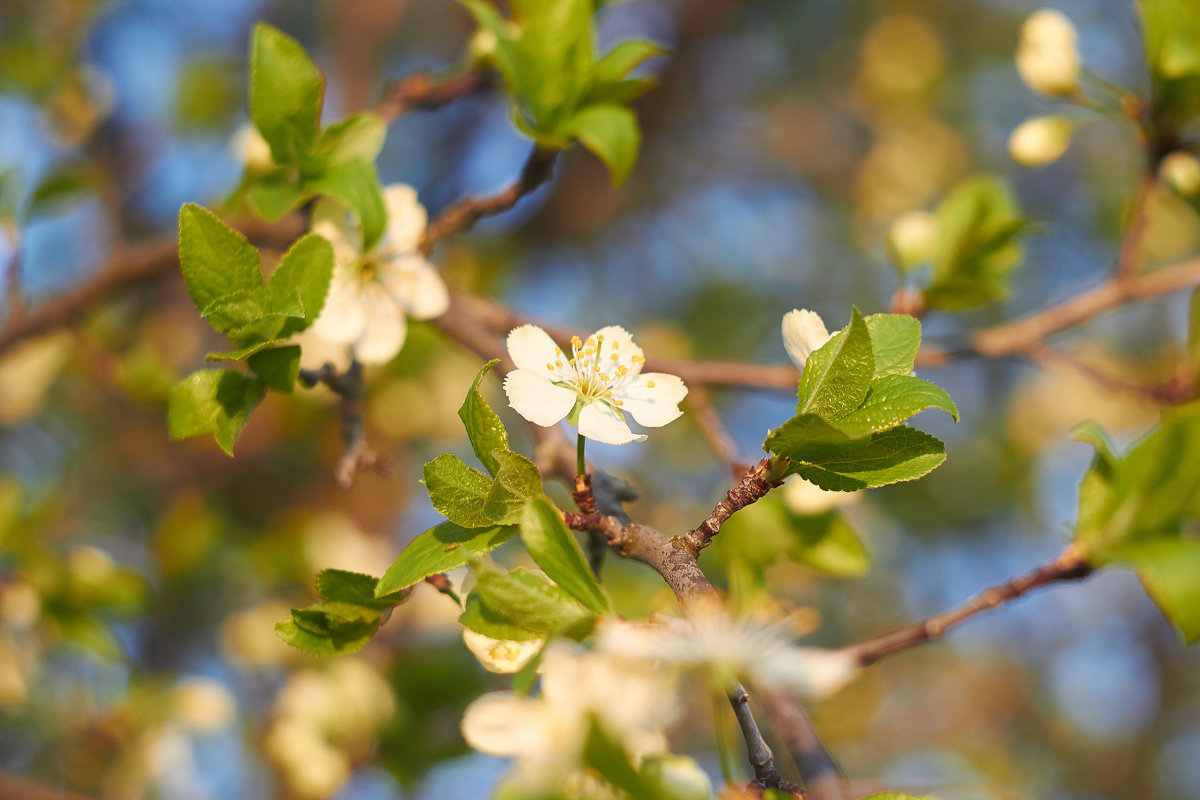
(273, 195)
(359, 137)
(216, 402)
(1193, 331)
(828, 544)
(483, 425)
(458, 492)
(895, 340)
(278, 368)
(555, 549)
(608, 758)
(216, 260)
(1096, 487)
(1171, 35)
(330, 628)
(441, 549)
(837, 375)
(611, 133)
(242, 353)
(355, 184)
(614, 65)
(1169, 569)
(286, 94)
(522, 605)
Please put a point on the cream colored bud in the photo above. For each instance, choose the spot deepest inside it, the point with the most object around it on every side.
(803, 332)
(1040, 140)
(250, 146)
(912, 239)
(500, 655)
(1047, 56)
(1181, 171)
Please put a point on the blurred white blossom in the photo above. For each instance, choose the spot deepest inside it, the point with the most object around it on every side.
(1047, 56)
(807, 499)
(1181, 171)
(1040, 140)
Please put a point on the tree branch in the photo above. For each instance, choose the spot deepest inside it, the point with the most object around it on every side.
(348, 386)
(422, 92)
(1070, 565)
(752, 487)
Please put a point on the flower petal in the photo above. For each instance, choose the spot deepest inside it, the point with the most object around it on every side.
(385, 329)
(803, 332)
(600, 423)
(653, 398)
(501, 656)
(506, 724)
(335, 223)
(415, 285)
(531, 348)
(406, 218)
(808, 671)
(342, 319)
(618, 341)
(535, 398)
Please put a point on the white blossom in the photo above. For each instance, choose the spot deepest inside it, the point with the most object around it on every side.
(1047, 56)
(371, 293)
(1181, 171)
(595, 387)
(501, 656)
(761, 650)
(252, 149)
(912, 238)
(632, 700)
(1040, 140)
(807, 499)
(803, 332)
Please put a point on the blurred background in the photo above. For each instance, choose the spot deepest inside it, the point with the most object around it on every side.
(140, 579)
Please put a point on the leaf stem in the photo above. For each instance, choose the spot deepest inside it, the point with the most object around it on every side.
(580, 464)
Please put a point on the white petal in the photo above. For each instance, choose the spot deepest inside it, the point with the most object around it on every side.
(803, 332)
(501, 656)
(342, 317)
(331, 220)
(531, 348)
(617, 340)
(385, 329)
(600, 423)
(505, 724)
(535, 398)
(808, 671)
(807, 499)
(653, 399)
(406, 218)
(415, 285)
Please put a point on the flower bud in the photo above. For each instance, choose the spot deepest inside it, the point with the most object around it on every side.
(1039, 141)
(803, 332)
(1181, 171)
(912, 238)
(1047, 57)
(250, 146)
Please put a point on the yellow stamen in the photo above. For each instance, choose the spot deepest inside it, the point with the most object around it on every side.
(558, 363)
(638, 359)
(576, 342)
(618, 402)
(549, 366)
(599, 337)
(649, 384)
(615, 357)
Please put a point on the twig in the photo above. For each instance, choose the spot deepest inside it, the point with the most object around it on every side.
(753, 486)
(822, 778)
(1070, 565)
(357, 455)
(463, 214)
(761, 759)
(422, 92)
(1130, 256)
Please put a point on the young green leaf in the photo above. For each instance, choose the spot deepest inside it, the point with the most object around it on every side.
(608, 758)
(302, 278)
(458, 492)
(838, 374)
(242, 353)
(330, 628)
(286, 94)
(555, 550)
(355, 184)
(216, 260)
(358, 137)
(1171, 34)
(216, 402)
(441, 549)
(1096, 487)
(611, 133)
(623, 59)
(891, 400)
(1169, 569)
(483, 425)
(895, 339)
(278, 368)
(517, 481)
(522, 605)
(899, 454)
(828, 544)
(352, 587)
(273, 196)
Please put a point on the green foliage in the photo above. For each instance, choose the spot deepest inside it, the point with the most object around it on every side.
(1193, 330)
(555, 549)
(522, 605)
(484, 428)
(979, 224)
(560, 90)
(345, 620)
(215, 402)
(608, 758)
(1132, 510)
(441, 549)
(1171, 37)
(287, 94)
(898, 796)
(846, 434)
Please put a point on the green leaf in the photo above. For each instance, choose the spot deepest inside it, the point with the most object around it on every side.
(303, 275)
(1171, 35)
(555, 549)
(216, 260)
(330, 628)
(273, 196)
(62, 186)
(278, 368)
(836, 462)
(522, 605)
(801, 431)
(458, 492)
(358, 137)
(1169, 569)
(618, 92)
(979, 225)
(828, 544)
(441, 549)
(891, 400)
(623, 59)
(1095, 490)
(242, 353)
(355, 184)
(552, 57)
(608, 758)
(895, 339)
(212, 401)
(236, 311)
(286, 94)
(483, 425)
(838, 374)
(611, 133)
(517, 481)
(1193, 333)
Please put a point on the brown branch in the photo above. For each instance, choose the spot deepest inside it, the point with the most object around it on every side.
(463, 214)
(822, 778)
(758, 753)
(1129, 258)
(357, 454)
(422, 92)
(1070, 565)
(752, 487)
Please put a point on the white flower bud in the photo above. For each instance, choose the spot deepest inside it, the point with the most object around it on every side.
(500, 655)
(912, 239)
(1047, 57)
(803, 332)
(250, 146)
(1181, 171)
(1039, 141)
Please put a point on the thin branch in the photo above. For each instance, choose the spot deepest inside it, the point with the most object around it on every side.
(1070, 565)
(758, 753)
(421, 91)
(822, 778)
(752, 487)
(463, 214)
(357, 454)
(1129, 258)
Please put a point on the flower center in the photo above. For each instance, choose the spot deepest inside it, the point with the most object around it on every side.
(595, 369)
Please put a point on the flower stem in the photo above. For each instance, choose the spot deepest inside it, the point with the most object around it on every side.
(581, 465)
